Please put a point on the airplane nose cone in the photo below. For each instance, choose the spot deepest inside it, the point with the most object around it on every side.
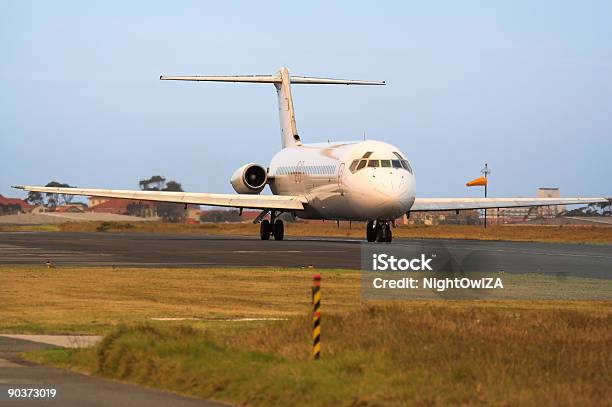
(394, 190)
(381, 194)
(395, 193)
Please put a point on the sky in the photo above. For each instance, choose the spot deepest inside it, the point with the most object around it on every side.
(524, 86)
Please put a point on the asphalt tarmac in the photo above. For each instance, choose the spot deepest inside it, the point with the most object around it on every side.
(75, 389)
(163, 250)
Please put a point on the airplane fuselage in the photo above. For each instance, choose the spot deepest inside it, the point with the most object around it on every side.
(364, 180)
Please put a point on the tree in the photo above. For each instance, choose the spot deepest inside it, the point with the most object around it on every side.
(155, 183)
(139, 208)
(592, 209)
(604, 208)
(35, 198)
(54, 200)
(173, 186)
(9, 209)
(220, 215)
(168, 211)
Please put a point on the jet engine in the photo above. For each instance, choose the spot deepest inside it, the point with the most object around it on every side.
(249, 179)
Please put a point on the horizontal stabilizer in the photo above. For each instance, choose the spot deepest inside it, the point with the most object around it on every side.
(271, 79)
(282, 81)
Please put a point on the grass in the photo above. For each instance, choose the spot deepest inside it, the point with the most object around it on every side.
(535, 233)
(419, 352)
(375, 355)
(94, 300)
(30, 228)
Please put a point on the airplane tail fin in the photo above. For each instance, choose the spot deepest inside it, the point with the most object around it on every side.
(282, 81)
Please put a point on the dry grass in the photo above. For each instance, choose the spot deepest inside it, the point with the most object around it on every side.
(557, 234)
(420, 353)
(96, 299)
(37, 299)
(30, 228)
(376, 355)
(535, 233)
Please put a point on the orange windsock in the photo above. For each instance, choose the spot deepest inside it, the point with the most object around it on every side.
(477, 182)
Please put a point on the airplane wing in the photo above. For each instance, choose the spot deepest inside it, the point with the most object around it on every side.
(287, 202)
(446, 204)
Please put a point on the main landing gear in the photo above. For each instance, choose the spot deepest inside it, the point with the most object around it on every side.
(273, 227)
(379, 231)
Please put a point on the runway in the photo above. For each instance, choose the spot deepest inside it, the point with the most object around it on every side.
(162, 250)
(74, 389)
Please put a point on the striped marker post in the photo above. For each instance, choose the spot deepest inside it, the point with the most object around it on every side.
(316, 316)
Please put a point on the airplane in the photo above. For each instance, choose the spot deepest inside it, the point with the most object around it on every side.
(370, 181)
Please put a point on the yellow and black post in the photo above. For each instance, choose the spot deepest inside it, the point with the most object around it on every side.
(316, 316)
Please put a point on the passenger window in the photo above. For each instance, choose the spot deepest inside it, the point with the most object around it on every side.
(362, 164)
(396, 163)
(373, 163)
(385, 163)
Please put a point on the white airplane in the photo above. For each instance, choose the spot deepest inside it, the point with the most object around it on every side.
(368, 181)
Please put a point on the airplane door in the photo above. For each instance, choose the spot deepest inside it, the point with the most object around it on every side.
(301, 179)
(340, 174)
(299, 175)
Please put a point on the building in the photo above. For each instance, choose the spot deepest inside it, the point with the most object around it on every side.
(119, 206)
(12, 205)
(514, 215)
(467, 217)
(96, 200)
(192, 215)
(549, 211)
(76, 207)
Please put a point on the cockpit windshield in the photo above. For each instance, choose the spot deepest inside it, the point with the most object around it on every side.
(397, 162)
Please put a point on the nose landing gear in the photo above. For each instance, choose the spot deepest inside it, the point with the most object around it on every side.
(379, 231)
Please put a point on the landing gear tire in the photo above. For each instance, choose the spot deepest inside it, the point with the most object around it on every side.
(265, 229)
(388, 233)
(383, 233)
(279, 230)
(371, 231)
(380, 231)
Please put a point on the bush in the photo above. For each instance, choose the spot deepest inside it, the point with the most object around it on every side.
(103, 227)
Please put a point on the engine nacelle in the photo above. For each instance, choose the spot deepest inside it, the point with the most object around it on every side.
(249, 179)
